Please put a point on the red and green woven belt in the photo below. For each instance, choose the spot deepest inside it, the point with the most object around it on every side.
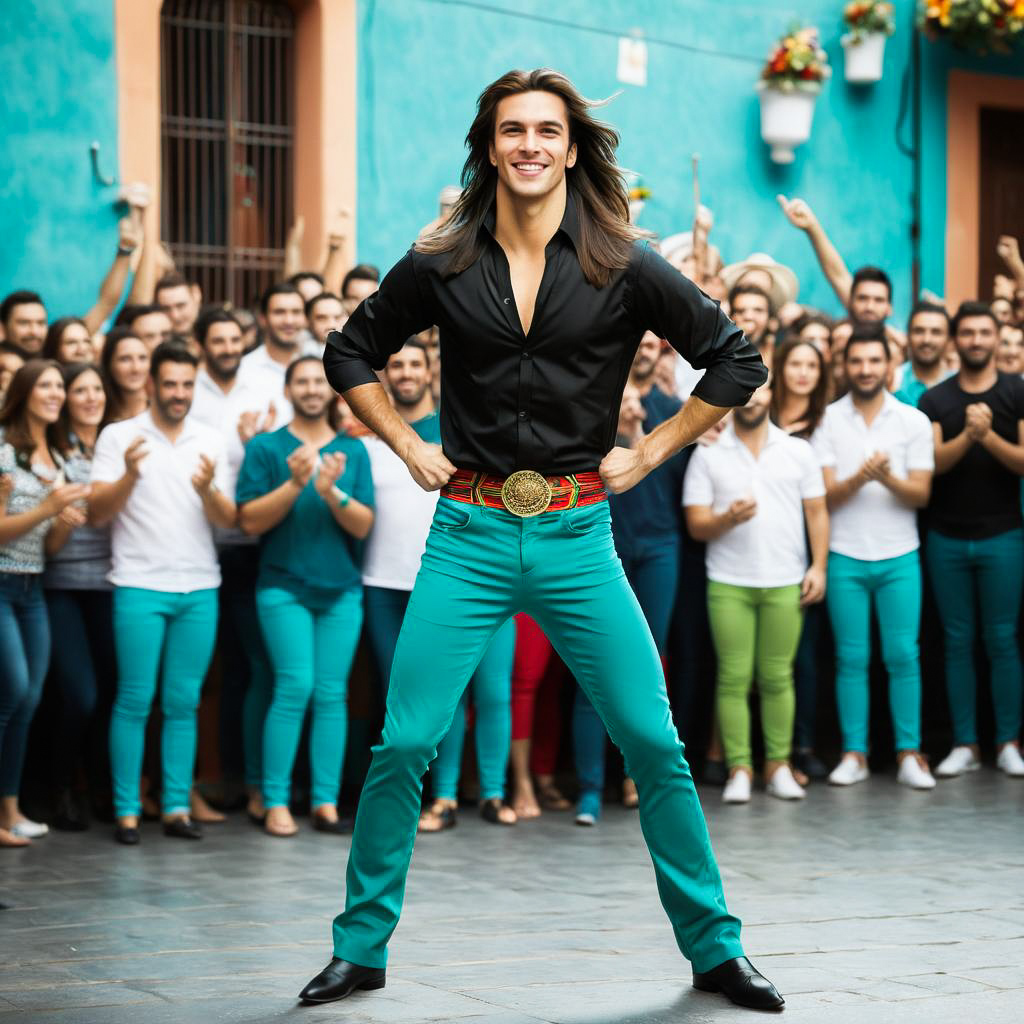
(525, 493)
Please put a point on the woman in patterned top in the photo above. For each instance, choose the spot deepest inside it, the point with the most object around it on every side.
(37, 512)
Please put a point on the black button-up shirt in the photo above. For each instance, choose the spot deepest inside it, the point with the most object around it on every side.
(547, 400)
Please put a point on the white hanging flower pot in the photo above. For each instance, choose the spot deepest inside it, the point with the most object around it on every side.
(865, 57)
(786, 116)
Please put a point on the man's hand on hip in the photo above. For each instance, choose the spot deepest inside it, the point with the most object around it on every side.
(428, 465)
(623, 468)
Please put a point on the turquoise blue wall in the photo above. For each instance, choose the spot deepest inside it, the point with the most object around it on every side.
(58, 227)
(422, 64)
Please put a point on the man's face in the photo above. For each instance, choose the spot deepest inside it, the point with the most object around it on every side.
(750, 313)
(308, 390)
(171, 392)
(646, 358)
(328, 315)
(976, 341)
(224, 349)
(531, 148)
(928, 336)
(355, 291)
(867, 368)
(285, 318)
(408, 375)
(1002, 310)
(152, 329)
(181, 303)
(755, 412)
(26, 328)
(1010, 354)
(869, 302)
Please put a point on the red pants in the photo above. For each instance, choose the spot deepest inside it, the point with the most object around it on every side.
(537, 678)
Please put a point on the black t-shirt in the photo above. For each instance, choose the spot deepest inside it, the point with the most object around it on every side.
(979, 497)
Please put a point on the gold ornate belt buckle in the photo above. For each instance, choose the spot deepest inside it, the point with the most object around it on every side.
(526, 493)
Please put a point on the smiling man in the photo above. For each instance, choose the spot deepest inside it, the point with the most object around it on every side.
(542, 291)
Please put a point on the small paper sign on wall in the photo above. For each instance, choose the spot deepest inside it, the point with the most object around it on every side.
(632, 62)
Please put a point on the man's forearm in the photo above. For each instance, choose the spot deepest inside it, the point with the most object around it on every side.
(832, 264)
(1009, 454)
(373, 408)
(219, 509)
(816, 516)
(107, 500)
(670, 437)
(111, 291)
(840, 491)
(949, 453)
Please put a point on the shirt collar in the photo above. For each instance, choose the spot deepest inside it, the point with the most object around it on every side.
(775, 434)
(889, 403)
(570, 225)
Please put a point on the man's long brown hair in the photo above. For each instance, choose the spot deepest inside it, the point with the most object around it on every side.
(596, 182)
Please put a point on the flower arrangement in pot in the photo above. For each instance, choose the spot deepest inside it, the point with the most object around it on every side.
(982, 26)
(869, 24)
(790, 82)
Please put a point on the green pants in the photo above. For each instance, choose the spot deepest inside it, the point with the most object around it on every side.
(482, 566)
(756, 631)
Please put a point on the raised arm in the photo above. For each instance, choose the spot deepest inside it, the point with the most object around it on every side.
(112, 288)
(336, 265)
(801, 216)
(1009, 252)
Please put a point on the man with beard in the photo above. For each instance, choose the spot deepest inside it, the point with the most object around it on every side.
(877, 457)
(226, 402)
(928, 336)
(282, 322)
(159, 479)
(181, 300)
(647, 526)
(324, 313)
(751, 310)
(749, 497)
(23, 319)
(307, 492)
(975, 537)
(393, 553)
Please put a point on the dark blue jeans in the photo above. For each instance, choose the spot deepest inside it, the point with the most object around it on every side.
(24, 656)
(383, 613)
(84, 671)
(652, 568)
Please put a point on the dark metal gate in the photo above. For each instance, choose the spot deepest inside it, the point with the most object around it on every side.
(227, 139)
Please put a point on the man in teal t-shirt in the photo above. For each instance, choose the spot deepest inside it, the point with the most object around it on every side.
(928, 338)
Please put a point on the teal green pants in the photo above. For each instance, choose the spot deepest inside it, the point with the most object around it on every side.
(894, 586)
(756, 631)
(311, 642)
(154, 629)
(993, 569)
(482, 566)
(492, 706)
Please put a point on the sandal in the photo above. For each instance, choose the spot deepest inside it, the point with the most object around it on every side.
(551, 799)
(490, 811)
(439, 817)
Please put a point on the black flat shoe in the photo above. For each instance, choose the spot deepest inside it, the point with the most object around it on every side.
(740, 981)
(339, 979)
(489, 812)
(809, 763)
(259, 820)
(341, 827)
(127, 835)
(182, 828)
(715, 773)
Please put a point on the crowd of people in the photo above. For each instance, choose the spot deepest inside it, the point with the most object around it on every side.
(181, 488)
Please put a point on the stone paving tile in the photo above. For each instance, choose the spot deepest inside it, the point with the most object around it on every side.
(862, 905)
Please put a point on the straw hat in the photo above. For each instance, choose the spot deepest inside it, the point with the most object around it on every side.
(785, 285)
(679, 247)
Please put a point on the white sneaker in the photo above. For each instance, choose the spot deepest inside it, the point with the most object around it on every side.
(956, 762)
(784, 786)
(849, 771)
(1010, 761)
(737, 789)
(29, 829)
(914, 773)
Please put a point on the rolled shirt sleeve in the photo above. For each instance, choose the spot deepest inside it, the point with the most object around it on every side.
(379, 327)
(673, 307)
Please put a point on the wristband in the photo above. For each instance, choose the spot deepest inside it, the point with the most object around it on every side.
(343, 496)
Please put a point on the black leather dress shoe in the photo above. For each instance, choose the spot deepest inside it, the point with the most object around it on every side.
(341, 827)
(740, 981)
(810, 764)
(182, 828)
(126, 835)
(339, 979)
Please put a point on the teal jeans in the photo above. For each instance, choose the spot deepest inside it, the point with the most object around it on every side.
(482, 566)
(492, 706)
(894, 586)
(153, 629)
(311, 642)
(992, 569)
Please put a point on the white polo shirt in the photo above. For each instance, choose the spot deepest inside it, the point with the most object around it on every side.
(402, 512)
(770, 549)
(874, 524)
(265, 377)
(161, 539)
